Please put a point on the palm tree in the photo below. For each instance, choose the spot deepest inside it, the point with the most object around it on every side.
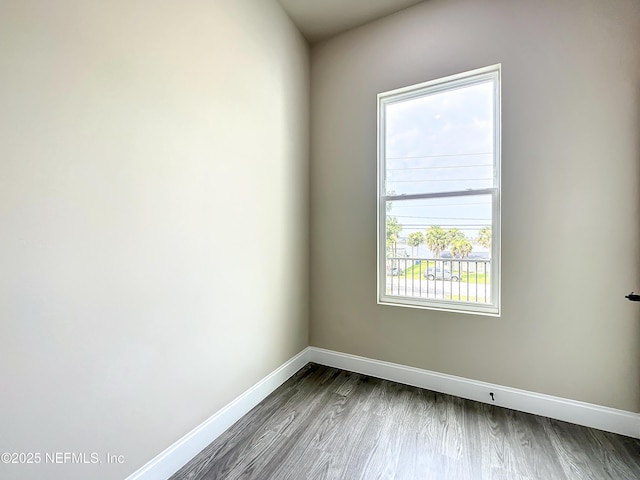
(454, 234)
(393, 232)
(436, 239)
(414, 240)
(484, 238)
(461, 248)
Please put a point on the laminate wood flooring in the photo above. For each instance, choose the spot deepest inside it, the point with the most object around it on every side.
(325, 423)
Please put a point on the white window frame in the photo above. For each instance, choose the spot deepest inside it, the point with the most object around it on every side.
(491, 73)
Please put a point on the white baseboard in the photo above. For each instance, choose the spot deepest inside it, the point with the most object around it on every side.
(581, 413)
(177, 455)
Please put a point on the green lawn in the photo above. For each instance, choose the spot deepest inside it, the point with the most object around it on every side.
(416, 270)
(471, 278)
(464, 298)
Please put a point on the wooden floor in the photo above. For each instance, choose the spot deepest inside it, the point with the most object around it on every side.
(325, 423)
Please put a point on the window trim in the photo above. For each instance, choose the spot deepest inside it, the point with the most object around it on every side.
(464, 79)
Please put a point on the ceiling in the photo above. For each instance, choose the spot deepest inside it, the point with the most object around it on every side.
(320, 19)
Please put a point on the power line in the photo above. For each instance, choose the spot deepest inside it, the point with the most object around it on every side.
(397, 203)
(466, 227)
(440, 180)
(443, 218)
(441, 156)
(448, 166)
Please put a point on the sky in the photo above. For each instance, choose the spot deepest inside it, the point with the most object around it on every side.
(436, 143)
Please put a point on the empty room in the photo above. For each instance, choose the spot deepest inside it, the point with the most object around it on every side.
(319, 239)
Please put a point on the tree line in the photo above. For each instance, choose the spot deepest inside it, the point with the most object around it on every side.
(437, 239)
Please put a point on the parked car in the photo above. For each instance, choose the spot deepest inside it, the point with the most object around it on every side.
(439, 273)
(395, 271)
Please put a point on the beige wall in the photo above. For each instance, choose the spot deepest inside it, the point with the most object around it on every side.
(153, 219)
(571, 173)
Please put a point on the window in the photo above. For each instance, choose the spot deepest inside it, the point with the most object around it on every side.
(439, 194)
